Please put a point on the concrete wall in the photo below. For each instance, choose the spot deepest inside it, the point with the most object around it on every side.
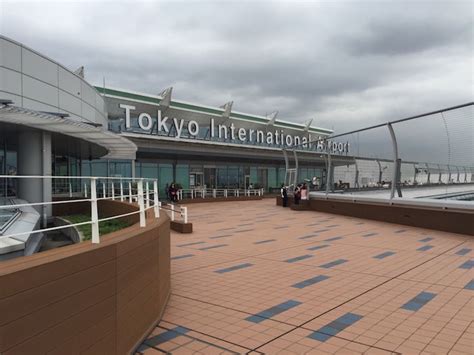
(32, 80)
(85, 298)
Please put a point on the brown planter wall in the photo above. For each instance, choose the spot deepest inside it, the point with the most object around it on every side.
(454, 221)
(86, 298)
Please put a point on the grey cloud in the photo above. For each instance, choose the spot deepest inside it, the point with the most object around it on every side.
(345, 64)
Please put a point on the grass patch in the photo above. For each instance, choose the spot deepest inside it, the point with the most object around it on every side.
(105, 227)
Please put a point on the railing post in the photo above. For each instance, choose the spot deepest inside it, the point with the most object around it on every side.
(155, 199)
(121, 190)
(70, 190)
(94, 212)
(104, 190)
(192, 194)
(85, 190)
(184, 213)
(396, 163)
(147, 203)
(214, 193)
(141, 204)
(113, 191)
(172, 212)
(130, 192)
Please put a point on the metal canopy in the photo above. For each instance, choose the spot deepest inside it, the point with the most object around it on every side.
(118, 147)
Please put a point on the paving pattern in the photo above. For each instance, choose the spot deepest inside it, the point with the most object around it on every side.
(255, 278)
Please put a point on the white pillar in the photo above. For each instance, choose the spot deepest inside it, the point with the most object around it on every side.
(94, 213)
(141, 205)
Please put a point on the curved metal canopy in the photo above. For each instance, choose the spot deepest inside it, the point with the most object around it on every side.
(117, 147)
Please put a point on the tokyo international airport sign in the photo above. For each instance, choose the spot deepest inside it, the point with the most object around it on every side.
(175, 128)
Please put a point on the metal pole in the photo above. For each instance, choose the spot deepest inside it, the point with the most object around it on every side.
(121, 190)
(329, 172)
(296, 166)
(285, 155)
(85, 190)
(130, 192)
(104, 190)
(70, 190)
(172, 212)
(147, 203)
(155, 198)
(356, 179)
(395, 181)
(428, 172)
(141, 204)
(113, 191)
(94, 212)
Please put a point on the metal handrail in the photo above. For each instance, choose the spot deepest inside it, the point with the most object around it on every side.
(142, 197)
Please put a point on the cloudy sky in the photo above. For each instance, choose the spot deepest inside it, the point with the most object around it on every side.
(345, 64)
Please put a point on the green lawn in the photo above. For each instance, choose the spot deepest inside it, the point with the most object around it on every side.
(105, 227)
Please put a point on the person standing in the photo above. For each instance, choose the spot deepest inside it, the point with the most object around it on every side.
(173, 191)
(297, 194)
(284, 195)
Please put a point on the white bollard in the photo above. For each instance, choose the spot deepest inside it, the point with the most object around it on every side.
(94, 213)
(184, 213)
(155, 199)
(172, 212)
(141, 204)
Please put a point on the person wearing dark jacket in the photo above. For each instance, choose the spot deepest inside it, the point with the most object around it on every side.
(173, 192)
(284, 195)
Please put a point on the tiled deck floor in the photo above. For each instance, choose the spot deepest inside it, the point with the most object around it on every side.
(256, 278)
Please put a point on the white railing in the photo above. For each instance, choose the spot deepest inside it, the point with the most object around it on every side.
(214, 193)
(93, 189)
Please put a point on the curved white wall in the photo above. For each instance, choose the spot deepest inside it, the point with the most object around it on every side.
(36, 82)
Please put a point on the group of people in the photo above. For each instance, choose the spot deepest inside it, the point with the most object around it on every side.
(299, 193)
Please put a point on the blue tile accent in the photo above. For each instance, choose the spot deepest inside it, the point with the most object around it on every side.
(265, 241)
(310, 282)
(333, 263)
(463, 251)
(331, 239)
(470, 285)
(273, 311)
(425, 248)
(189, 244)
(467, 265)
(308, 236)
(317, 247)
(181, 256)
(419, 301)
(369, 234)
(425, 240)
(233, 268)
(298, 258)
(321, 230)
(166, 336)
(221, 236)
(336, 326)
(214, 246)
(384, 255)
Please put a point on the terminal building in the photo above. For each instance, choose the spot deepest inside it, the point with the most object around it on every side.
(53, 122)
